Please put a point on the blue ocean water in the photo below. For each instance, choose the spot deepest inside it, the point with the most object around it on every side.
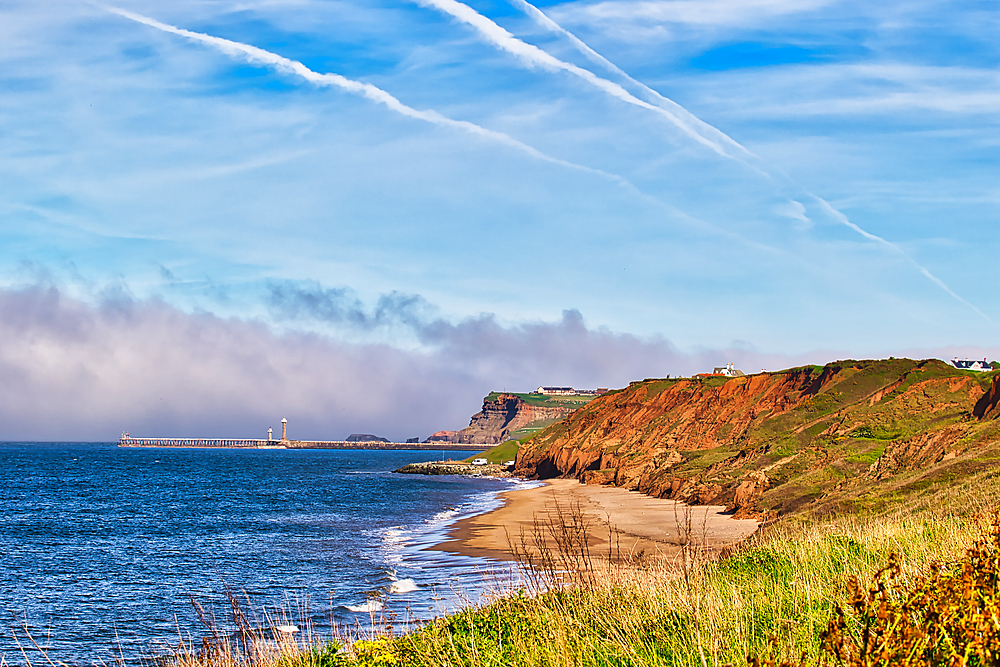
(101, 548)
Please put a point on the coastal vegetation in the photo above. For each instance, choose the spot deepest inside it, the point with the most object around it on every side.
(915, 584)
(544, 400)
(503, 452)
(837, 438)
(879, 487)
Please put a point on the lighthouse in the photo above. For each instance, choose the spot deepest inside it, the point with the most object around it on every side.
(284, 429)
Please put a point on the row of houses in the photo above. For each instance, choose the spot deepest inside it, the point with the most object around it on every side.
(569, 391)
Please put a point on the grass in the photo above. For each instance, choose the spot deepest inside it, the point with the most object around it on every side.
(543, 400)
(917, 584)
(875, 422)
(503, 452)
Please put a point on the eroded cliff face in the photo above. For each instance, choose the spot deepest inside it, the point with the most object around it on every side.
(504, 414)
(776, 442)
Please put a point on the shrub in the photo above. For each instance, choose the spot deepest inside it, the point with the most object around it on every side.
(951, 616)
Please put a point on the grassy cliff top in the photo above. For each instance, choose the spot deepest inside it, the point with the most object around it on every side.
(542, 400)
(848, 434)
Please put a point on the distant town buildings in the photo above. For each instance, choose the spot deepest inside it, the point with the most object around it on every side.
(728, 371)
(569, 391)
(971, 365)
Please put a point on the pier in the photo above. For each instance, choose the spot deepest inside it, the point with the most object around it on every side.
(249, 443)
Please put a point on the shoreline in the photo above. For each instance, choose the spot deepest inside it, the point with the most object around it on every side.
(631, 524)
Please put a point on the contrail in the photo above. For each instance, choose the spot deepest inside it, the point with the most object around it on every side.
(257, 56)
(535, 56)
(664, 102)
(690, 124)
(844, 220)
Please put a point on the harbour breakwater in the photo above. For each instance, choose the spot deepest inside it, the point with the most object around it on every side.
(455, 468)
(250, 443)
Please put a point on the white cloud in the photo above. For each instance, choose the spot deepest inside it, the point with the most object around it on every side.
(794, 210)
(69, 370)
(695, 12)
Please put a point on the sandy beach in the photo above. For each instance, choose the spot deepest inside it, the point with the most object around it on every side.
(652, 527)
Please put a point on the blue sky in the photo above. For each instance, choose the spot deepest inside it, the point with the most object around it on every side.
(782, 180)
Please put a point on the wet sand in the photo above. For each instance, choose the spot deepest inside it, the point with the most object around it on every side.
(643, 526)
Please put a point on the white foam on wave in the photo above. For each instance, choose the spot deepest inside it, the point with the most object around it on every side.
(367, 607)
(444, 515)
(403, 586)
(394, 535)
(478, 503)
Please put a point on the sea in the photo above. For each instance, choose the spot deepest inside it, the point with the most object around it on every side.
(107, 553)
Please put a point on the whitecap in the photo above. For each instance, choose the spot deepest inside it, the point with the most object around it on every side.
(403, 586)
(395, 535)
(367, 607)
(449, 513)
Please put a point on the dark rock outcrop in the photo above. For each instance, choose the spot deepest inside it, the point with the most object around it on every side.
(988, 407)
(365, 437)
(453, 468)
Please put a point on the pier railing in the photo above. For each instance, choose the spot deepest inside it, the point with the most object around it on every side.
(129, 441)
(246, 443)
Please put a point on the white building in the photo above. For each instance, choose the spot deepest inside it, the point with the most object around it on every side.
(556, 391)
(728, 371)
(970, 365)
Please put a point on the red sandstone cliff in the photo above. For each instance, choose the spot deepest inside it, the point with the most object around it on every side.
(777, 441)
(502, 415)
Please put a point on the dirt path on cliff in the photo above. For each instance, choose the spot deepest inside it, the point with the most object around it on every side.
(643, 525)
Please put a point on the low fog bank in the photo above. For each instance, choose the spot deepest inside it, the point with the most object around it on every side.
(75, 371)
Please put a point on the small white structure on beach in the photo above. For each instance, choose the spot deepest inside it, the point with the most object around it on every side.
(479, 462)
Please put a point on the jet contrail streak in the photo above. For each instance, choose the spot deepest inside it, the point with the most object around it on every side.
(537, 57)
(258, 56)
(844, 220)
(693, 126)
(660, 100)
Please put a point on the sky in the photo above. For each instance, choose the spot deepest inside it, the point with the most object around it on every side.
(364, 216)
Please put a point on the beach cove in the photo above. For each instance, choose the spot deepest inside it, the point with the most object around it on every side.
(640, 526)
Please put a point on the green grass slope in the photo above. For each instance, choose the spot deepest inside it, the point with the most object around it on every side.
(849, 433)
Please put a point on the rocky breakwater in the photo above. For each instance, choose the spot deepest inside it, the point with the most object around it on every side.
(502, 415)
(455, 468)
(778, 442)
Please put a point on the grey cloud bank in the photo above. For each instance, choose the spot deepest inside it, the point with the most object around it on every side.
(70, 370)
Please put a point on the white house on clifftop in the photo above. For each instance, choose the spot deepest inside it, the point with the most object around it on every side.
(969, 365)
(728, 371)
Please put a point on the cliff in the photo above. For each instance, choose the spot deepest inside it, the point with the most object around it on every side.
(773, 443)
(506, 416)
